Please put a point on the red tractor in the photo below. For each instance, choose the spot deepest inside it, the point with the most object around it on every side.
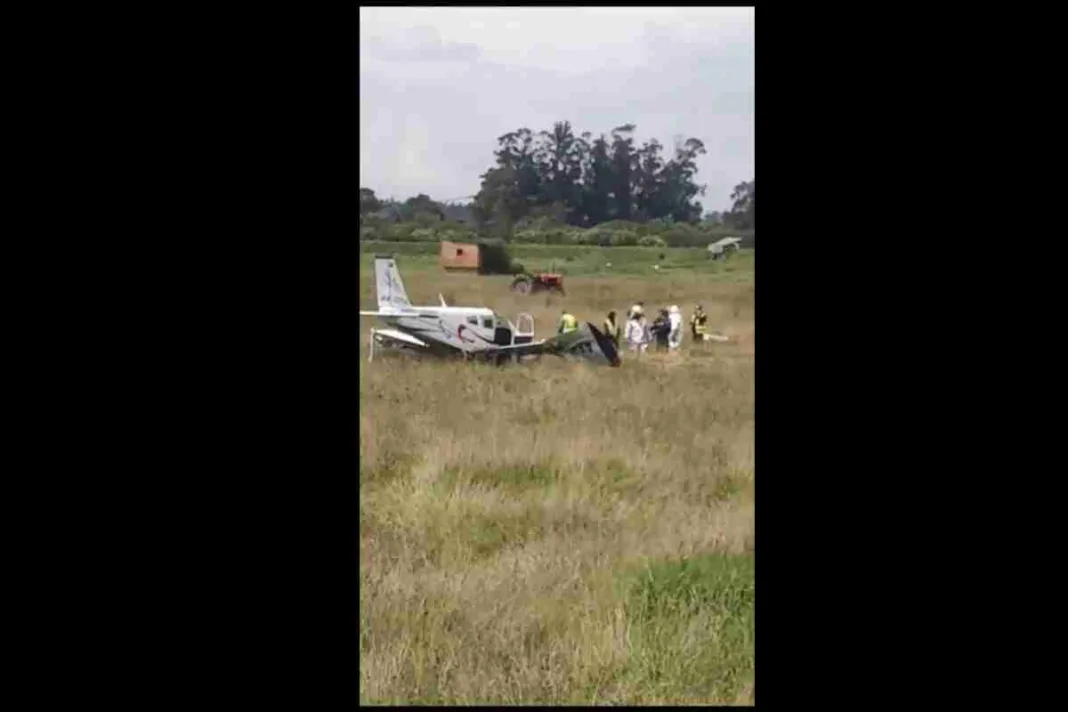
(529, 283)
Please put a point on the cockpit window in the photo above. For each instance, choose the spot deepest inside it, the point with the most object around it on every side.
(472, 320)
(487, 322)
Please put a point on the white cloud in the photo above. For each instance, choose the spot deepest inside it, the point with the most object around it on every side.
(438, 85)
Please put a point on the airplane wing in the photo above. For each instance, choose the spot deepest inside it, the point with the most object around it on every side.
(533, 345)
(395, 313)
(399, 336)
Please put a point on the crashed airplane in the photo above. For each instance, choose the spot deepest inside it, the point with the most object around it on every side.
(470, 332)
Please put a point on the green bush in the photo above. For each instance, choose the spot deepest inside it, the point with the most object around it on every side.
(423, 249)
(455, 236)
(528, 237)
(399, 232)
(454, 226)
(595, 236)
(426, 219)
(616, 225)
(557, 236)
(544, 231)
(624, 238)
(541, 222)
(574, 236)
(544, 236)
(683, 235)
(372, 221)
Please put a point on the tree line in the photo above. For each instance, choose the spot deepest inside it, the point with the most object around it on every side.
(583, 182)
(558, 178)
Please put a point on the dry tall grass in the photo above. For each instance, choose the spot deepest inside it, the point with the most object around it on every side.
(560, 533)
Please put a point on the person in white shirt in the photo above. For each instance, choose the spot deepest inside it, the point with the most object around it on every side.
(675, 335)
(637, 333)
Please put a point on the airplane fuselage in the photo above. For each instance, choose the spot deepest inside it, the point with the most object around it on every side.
(465, 328)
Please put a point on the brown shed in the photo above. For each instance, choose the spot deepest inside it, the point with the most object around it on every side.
(459, 256)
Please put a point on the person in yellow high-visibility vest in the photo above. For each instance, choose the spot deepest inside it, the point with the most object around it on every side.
(699, 324)
(568, 323)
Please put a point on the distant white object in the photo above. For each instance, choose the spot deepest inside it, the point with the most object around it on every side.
(607, 264)
(720, 247)
(656, 267)
(716, 337)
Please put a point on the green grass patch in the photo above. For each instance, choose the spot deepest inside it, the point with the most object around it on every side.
(614, 475)
(387, 466)
(485, 535)
(691, 628)
(516, 477)
(728, 486)
(578, 260)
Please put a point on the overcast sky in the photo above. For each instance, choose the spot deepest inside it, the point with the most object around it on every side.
(439, 85)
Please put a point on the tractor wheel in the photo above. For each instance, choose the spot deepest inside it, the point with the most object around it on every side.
(522, 286)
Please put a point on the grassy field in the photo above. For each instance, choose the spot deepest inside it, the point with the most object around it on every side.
(561, 533)
(577, 260)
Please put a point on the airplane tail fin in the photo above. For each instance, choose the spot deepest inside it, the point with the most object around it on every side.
(608, 348)
(388, 285)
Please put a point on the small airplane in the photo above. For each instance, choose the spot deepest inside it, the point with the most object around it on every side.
(470, 331)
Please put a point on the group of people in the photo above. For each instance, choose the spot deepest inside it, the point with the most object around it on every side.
(665, 332)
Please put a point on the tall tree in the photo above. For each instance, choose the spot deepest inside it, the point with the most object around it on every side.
(742, 215)
(517, 155)
(597, 182)
(499, 203)
(560, 164)
(587, 181)
(368, 202)
(421, 203)
(648, 200)
(678, 186)
(623, 164)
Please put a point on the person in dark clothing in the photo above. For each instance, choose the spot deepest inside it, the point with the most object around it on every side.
(661, 329)
(611, 329)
